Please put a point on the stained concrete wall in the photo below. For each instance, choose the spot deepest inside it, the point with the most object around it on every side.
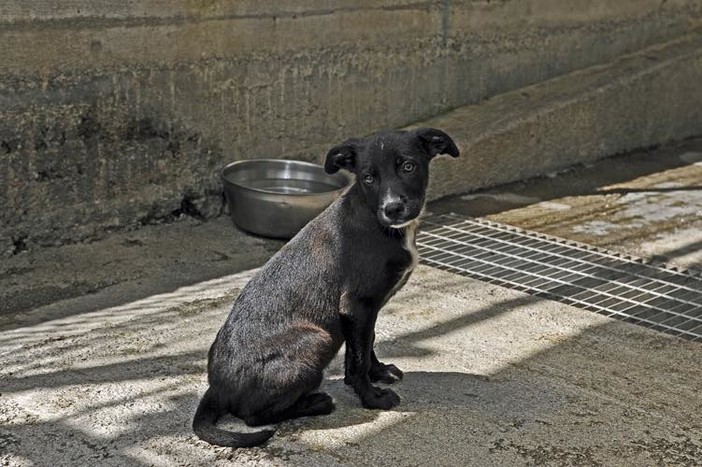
(639, 100)
(115, 114)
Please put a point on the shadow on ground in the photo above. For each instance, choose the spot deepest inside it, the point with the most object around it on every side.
(493, 377)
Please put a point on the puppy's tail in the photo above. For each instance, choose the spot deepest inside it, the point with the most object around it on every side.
(204, 427)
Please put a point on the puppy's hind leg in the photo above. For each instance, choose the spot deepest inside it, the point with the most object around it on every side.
(308, 405)
(314, 403)
(295, 374)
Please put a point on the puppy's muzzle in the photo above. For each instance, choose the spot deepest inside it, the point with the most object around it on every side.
(395, 211)
(395, 214)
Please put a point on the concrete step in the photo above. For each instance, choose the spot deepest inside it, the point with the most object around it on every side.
(642, 99)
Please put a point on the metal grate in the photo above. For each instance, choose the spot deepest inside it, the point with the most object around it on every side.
(615, 285)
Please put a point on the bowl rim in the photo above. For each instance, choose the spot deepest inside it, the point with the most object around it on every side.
(225, 181)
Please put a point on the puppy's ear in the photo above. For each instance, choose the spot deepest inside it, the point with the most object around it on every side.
(342, 156)
(436, 142)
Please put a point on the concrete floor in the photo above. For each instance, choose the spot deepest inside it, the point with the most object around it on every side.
(103, 345)
(648, 204)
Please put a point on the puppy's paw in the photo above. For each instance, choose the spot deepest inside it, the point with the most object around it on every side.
(383, 373)
(383, 399)
(319, 404)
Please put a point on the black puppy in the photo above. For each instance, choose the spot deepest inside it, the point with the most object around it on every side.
(323, 288)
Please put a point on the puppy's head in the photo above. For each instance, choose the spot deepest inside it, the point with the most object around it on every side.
(392, 169)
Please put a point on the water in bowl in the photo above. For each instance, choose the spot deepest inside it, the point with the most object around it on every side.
(288, 186)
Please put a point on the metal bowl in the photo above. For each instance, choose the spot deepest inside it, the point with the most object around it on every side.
(276, 198)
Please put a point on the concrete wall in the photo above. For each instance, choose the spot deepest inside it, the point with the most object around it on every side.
(114, 114)
(637, 101)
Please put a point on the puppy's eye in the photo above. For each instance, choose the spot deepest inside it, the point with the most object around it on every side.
(368, 179)
(408, 166)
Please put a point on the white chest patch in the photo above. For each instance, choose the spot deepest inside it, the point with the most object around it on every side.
(410, 246)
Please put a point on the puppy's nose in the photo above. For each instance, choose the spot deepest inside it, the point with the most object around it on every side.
(394, 210)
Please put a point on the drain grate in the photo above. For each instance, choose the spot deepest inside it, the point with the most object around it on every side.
(615, 285)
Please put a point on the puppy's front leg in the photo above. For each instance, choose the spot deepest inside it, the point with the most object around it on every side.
(379, 372)
(358, 334)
